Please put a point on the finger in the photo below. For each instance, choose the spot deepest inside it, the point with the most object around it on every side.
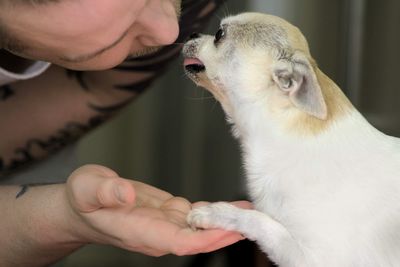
(189, 242)
(150, 251)
(177, 203)
(216, 239)
(93, 189)
(230, 239)
(113, 192)
(177, 209)
(150, 196)
(240, 204)
(243, 204)
(200, 204)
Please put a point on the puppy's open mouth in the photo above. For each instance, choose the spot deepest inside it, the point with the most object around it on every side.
(193, 65)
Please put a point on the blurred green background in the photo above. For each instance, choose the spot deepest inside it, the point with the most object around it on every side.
(175, 136)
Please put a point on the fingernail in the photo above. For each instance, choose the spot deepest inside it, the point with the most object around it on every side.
(120, 193)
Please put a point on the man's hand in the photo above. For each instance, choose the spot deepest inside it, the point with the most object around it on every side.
(137, 217)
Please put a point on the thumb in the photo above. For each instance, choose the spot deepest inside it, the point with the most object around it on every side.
(93, 187)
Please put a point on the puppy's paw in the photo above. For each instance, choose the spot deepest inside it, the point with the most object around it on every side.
(217, 215)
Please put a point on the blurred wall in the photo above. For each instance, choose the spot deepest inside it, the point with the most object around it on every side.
(380, 93)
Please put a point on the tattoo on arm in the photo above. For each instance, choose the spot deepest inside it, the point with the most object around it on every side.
(6, 92)
(25, 188)
(78, 75)
(27, 154)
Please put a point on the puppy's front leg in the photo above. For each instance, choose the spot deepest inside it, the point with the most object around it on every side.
(270, 235)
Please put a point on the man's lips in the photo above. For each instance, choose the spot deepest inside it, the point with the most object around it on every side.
(193, 65)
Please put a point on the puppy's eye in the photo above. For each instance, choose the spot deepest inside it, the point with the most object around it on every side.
(219, 36)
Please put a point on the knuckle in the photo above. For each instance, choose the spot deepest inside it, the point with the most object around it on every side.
(179, 203)
(104, 191)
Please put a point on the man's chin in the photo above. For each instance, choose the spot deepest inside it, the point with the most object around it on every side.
(90, 66)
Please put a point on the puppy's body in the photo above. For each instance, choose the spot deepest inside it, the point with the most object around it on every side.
(325, 183)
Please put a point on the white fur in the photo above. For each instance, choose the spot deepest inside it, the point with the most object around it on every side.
(330, 199)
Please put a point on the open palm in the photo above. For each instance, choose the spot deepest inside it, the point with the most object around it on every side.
(138, 217)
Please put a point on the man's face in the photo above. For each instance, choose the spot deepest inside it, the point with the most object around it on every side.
(93, 34)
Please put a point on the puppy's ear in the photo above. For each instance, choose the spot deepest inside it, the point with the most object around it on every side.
(297, 77)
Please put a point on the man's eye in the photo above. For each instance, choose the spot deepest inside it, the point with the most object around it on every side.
(219, 35)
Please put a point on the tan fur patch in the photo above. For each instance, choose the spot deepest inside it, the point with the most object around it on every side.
(337, 103)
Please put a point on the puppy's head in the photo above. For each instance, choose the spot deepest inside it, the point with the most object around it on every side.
(260, 60)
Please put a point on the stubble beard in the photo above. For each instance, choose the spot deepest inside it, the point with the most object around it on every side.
(152, 50)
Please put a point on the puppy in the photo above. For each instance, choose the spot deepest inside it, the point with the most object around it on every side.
(324, 182)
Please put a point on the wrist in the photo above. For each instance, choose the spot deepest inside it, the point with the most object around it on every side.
(60, 224)
(37, 225)
(48, 224)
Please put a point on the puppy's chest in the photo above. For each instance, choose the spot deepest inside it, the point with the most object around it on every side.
(279, 202)
(302, 199)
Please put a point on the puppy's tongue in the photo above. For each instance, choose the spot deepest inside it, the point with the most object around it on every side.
(192, 61)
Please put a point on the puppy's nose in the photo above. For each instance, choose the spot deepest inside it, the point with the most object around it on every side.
(194, 35)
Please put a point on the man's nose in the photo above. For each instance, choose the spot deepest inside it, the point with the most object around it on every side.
(160, 26)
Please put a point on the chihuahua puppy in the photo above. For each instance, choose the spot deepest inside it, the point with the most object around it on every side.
(324, 182)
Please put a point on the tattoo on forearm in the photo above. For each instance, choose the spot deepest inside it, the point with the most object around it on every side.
(33, 147)
(79, 76)
(112, 108)
(25, 188)
(6, 92)
(137, 87)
